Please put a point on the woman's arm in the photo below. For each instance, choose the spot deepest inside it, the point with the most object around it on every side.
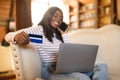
(9, 36)
(66, 38)
(20, 38)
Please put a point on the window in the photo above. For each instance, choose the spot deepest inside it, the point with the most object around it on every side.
(39, 7)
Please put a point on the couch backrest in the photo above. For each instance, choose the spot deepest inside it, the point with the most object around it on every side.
(108, 39)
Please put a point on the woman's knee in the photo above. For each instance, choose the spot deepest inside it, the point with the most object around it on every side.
(100, 67)
(100, 72)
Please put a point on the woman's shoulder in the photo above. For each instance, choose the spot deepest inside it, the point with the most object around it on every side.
(34, 30)
(39, 27)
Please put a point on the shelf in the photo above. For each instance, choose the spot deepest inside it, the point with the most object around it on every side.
(103, 24)
(87, 15)
(87, 27)
(105, 5)
(105, 11)
(92, 15)
(73, 16)
(85, 11)
(105, 15)
(86, 19)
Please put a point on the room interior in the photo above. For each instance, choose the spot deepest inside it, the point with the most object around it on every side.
(81, 15)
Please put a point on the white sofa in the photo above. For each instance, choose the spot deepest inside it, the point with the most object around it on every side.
(27, 62)
(108, 39)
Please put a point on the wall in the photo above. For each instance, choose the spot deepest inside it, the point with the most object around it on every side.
(4, 16)
(5, 55)
(23, 14)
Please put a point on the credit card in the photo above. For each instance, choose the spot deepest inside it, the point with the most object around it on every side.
(35, 38)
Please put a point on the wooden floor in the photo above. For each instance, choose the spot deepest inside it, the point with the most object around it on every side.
(8, 75)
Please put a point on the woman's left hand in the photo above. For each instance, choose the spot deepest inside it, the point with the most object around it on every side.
(63, 32)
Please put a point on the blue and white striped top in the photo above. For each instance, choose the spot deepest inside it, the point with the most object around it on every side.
(48, 51)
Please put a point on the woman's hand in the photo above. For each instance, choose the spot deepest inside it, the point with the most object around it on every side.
(64, 32)
(21, 38)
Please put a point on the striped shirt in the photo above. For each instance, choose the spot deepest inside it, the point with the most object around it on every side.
(48, 51)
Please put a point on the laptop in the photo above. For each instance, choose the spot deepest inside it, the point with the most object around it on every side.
(74, 57)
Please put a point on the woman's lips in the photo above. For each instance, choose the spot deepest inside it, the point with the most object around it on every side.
(56, 23)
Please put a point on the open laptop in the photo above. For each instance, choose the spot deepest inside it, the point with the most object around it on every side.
(74, 57)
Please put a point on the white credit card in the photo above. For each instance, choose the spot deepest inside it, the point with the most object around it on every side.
(35, 38)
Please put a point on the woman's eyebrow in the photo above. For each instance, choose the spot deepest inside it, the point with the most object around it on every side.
(56, 14)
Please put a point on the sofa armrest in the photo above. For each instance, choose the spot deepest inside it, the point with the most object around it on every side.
(26, 61)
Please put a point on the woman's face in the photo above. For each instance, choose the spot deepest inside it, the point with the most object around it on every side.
(57, 19)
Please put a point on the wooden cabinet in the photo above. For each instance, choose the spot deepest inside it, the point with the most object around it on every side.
(92, 14)
(74, 14)
(105, 12)
(88, 15)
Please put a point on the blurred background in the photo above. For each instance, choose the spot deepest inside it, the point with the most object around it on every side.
(79, 14)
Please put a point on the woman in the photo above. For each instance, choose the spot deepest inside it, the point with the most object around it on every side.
(52, 37)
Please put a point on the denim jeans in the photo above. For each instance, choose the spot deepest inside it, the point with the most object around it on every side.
(46, 73)
(99, 73)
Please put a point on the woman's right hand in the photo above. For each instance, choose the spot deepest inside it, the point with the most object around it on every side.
(21, 38)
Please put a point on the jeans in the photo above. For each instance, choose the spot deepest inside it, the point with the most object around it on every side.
(99, 73)
(45, 74)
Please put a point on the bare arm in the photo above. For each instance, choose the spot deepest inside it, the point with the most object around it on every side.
(21, 38)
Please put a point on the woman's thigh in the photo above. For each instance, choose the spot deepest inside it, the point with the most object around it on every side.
(70, 76)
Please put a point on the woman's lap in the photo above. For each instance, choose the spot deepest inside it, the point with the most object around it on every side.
(99, 73)
(70, 76)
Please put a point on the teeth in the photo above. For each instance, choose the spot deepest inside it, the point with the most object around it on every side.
(56, 22)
